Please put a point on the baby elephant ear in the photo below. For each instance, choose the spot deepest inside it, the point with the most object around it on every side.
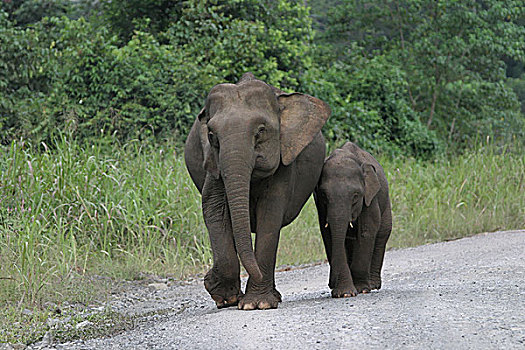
(302, 117)
(372, 184)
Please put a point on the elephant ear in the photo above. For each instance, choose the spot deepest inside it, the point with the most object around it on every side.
(302, 117)
(209, 154)
(372, 184)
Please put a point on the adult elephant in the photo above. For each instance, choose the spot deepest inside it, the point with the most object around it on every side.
(255, 153)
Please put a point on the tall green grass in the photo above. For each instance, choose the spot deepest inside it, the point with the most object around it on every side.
(67, 212)
(75, 210)
(480, 191)
(445, 199)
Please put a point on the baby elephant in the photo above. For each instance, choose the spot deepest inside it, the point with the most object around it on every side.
(356, 219)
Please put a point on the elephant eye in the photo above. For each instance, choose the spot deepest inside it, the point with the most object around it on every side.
(260, 131)
(213, 139)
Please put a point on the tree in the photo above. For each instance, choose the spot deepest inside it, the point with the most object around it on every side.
(79, 75)
(125, 17)
(269, 38)
(25, 79)
(451, 51)
(370, 106)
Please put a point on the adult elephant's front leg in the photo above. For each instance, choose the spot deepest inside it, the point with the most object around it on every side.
(223, 280)
(264, 295)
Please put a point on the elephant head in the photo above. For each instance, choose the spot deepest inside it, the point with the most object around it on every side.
(346, 186)
(247, 131)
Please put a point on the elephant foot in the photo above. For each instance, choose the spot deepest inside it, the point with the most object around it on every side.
(252, 301)
(362, 287)
(277, 294)
(375, 283)
(344, 292)
(223, 302)
(332, 282)
(225, 292)
(341, 284)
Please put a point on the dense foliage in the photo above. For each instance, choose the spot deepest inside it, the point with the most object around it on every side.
(453, 54)
(92, 81)
(402, 77)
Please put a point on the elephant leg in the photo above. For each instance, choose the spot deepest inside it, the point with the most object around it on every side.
(363, 249)
(327, 240)
(324, 228)
(362, 252)
(349, 247)
(341, 281)
(264, 295)
(223, 280)
(379, 249)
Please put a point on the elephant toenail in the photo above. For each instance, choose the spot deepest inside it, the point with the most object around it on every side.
(248, 306)
(264, 305)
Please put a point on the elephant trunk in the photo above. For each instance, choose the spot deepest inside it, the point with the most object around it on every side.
(236, 174)
(338, 220)
(339, 227)
(339, 214)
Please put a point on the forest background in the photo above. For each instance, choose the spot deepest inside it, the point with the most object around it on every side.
(97, 97)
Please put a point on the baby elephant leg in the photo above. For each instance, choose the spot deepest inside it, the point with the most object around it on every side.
(379, 250)
(341, 281)
(361, 260)
(363, 250)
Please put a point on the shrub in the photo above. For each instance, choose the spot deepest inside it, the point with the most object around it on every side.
(25, 78)
(370, 106)
(80, 77)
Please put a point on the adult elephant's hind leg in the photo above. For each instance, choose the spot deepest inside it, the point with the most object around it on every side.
(223, 280)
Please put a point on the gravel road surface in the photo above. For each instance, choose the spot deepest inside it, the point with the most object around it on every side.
(464, 294)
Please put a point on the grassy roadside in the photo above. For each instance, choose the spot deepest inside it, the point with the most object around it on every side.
(481, 191)
(71, 215)
(446, 199)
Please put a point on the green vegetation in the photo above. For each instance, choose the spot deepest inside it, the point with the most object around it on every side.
(77, 76)
(481, 191)
(452, 55)
(445, 199)
(97, 97)
(402, 77)
(76, 211)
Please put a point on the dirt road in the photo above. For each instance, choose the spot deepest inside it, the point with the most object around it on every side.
(465, 294)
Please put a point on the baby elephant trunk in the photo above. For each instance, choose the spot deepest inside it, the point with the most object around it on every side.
(339, 223)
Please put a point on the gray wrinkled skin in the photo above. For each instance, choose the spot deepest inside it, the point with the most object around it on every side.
(464, 294)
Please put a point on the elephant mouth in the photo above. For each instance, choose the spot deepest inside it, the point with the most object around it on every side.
(262, 169)
(351, 232)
